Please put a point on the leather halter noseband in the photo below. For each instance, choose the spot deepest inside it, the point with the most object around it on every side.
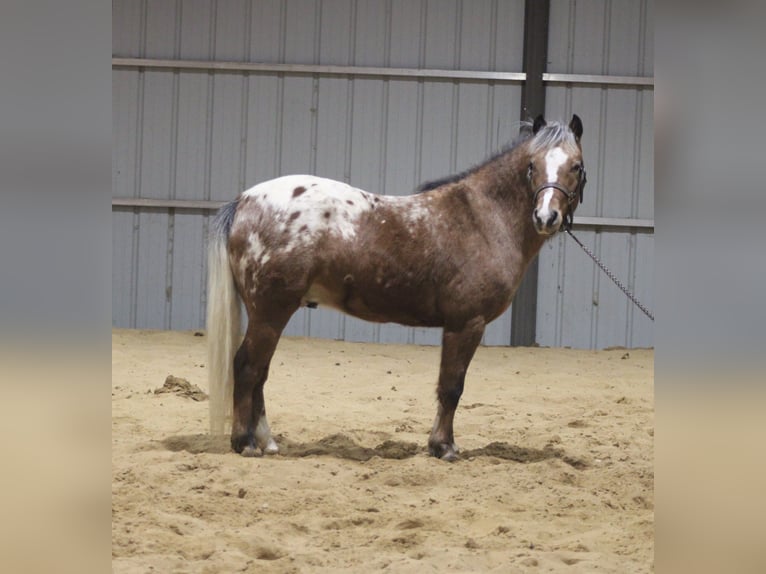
(570, 195)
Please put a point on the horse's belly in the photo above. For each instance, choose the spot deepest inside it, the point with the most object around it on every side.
(372, 306)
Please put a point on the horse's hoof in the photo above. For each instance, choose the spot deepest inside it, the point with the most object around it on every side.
(250, 451)
(271, 447)
(241, 442)
(450, 456)
(444, 452)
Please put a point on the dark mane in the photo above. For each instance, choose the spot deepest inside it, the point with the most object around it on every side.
(525, 133)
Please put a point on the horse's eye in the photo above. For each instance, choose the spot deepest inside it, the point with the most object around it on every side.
(530, 170)
(577, 167)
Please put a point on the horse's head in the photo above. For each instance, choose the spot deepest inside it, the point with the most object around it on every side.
(556, 173)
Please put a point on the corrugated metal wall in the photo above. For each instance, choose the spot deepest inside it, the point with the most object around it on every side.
(196, 134)
(578, 305)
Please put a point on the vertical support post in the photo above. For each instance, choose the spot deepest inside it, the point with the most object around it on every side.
(536, 15)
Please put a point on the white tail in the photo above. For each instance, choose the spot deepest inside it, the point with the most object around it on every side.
(223, 329)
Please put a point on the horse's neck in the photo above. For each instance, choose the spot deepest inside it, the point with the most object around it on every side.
(504, 182)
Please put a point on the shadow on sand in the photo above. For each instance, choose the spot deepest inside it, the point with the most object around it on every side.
(343, 447)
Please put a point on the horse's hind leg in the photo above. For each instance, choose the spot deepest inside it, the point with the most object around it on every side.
(250, 428)
(458, 347)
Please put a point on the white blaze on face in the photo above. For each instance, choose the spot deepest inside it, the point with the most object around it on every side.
(554, 159)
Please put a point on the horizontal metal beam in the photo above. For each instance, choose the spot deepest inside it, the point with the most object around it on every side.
(327, 70)
(206, 205)
(613, 222)
(320, 70)
(144, 202)
(602, 80)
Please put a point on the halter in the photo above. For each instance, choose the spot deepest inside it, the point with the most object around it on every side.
(570, 195)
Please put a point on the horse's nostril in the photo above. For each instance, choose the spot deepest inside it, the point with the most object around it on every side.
(552, 219)
(538, 220)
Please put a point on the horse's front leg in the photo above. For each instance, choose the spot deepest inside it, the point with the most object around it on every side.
(458, 347)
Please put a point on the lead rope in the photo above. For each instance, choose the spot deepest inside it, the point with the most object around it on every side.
(611, 276)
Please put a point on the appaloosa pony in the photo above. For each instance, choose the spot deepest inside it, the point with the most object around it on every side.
(450, 256)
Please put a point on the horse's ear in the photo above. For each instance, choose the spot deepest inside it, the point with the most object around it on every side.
(576, 126)
(539, 123)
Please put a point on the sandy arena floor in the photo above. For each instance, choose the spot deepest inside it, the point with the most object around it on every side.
(556, 472)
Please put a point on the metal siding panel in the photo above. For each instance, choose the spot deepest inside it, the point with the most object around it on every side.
(122, 268)
(440, 41)
(472, 125)
(645, 208)
(610, 303)
(297, 326)
(227, 135)
(196, 29)
(642, 328)
(325, 324)
(332, 128)
(504, 121)
(407, 21)
(549, 289)
(301, 28)
(295, 150)
(509, 47)
(618, 147)
(647, 60)
(188, 280)
(577, 318)
(335, 32)
(125, 111)
(498, 332)
(370, 33)
(475, 24)
(232, 30)
(192, 145)
(559, 42)
(625, 37)
(156, 135)
(267, 22)
(151, 271)
(127, 28)
(161, 23)
(367, 125)
(263, 128)
(436, 141)
(588, 43)
(426, 336)
(401, 138)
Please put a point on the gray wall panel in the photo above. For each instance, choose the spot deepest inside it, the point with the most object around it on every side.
(408, 20)
(123, 269)
(192, 166)
(151, 296)
(209, 135)
(228, 128)
(264, 119)
(188, 272)
(578, 305)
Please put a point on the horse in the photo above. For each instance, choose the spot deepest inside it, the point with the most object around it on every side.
(451, 255)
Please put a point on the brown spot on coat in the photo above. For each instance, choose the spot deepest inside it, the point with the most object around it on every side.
(294, 216)
(298, 191)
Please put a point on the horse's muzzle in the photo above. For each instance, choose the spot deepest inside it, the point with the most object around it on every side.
(548, 225)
